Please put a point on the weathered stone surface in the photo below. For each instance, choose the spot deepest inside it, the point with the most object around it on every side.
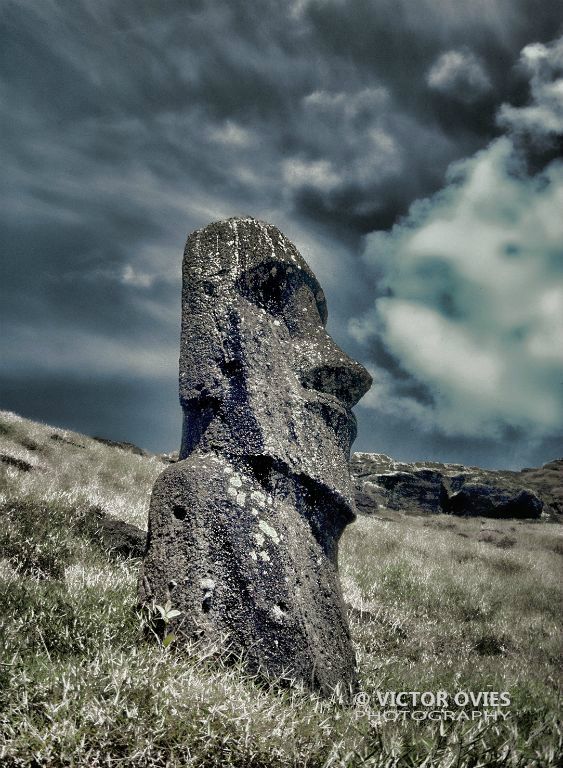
(169, 458)
(244, 528)
(547, 483)
(477, 500)
(117, 536)
(381, 483)
(430, 487)
(423, 489)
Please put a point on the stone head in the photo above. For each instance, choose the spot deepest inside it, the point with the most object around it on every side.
(259, 374)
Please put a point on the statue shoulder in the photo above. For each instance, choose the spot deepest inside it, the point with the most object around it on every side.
(206, 472)
(203, 483)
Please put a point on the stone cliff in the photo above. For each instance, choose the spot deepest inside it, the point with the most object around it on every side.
(430, 488)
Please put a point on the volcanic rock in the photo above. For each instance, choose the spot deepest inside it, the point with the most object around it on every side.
(123, 445)
(431, 487)
(477, 500)
(244, 528)
(113, 535)
(423, 489)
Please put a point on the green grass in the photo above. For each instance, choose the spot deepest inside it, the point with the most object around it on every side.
(436, 604)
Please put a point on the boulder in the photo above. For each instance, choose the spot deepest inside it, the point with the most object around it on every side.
(370, 497)
(381, 482)
(112, 534)
(477, 500)
(547, 483)
(419, 491)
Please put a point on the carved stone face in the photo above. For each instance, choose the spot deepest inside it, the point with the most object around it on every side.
(259, 375)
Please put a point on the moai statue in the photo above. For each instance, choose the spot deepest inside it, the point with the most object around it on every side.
(244, 529)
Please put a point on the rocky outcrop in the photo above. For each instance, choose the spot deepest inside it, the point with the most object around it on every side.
(244, 528)
(547, 483)
(122, 445)
(430, 487)
(62, 439)
(478, 500)
(422, 489)
(113, 535)
(169, 458)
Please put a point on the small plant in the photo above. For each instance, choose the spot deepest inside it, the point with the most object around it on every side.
(156, 618)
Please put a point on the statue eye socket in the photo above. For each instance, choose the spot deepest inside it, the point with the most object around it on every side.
(273, 286)
(270, 286)
(276, 293)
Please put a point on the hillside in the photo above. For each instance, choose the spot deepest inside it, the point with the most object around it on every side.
(436, 602)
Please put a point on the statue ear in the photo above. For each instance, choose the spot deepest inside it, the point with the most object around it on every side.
(206, 357)
(212, 375)
(198, 415)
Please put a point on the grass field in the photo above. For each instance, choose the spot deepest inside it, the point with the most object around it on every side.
(436, 604)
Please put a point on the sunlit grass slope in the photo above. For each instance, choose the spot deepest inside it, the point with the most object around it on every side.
(436, 603)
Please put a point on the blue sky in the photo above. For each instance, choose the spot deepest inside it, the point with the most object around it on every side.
(411, 150)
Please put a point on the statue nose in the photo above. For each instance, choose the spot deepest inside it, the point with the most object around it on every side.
(338, 375)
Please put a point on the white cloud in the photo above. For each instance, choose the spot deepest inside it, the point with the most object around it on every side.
(316, 173)
(358, 149)
(544, 116)
(474, 284)
(349, 104)
(460, 74)
(231, 134)
(130, 276)
(383, 398)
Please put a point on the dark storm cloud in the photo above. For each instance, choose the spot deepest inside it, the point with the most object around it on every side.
(398, 44)
(127, 123)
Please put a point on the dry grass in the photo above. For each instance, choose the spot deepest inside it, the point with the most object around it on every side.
(75, 469)
(436, 604)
